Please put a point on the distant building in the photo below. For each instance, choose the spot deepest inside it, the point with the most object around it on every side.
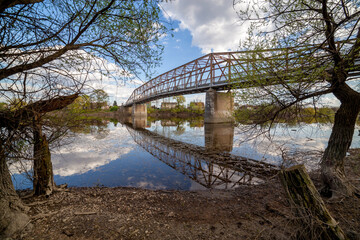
(168, 105)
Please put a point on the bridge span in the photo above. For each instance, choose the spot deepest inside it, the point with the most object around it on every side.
(228, 70)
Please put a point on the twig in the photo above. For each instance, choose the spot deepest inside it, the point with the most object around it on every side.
(36, 203)
(84, 213)
(43, 215)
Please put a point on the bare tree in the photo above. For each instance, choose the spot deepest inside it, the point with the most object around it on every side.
(49, 50)
(317, 45)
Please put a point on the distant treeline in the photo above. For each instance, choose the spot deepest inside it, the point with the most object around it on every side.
(264, 113)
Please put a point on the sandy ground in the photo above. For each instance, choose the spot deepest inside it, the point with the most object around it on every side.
(249, 212)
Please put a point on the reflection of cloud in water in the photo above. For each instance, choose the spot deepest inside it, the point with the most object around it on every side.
(288, 140)
(88, 153)
(149, 185)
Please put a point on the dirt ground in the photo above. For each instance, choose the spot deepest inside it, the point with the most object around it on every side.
(249, 212)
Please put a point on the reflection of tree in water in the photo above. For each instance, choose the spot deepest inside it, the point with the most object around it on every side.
(96, 127)
(199, 122)
(101, 132)
(180, 129)
(114, 121)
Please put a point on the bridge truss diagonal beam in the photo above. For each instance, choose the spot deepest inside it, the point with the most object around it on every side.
(225, 70)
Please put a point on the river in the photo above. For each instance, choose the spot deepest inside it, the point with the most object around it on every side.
(181, 154)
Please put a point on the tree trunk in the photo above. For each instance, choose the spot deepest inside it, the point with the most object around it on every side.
(12, 211)
(43, 182)
(316, 220)
(332, 162)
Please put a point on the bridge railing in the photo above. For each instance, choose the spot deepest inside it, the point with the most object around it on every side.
(217, 70)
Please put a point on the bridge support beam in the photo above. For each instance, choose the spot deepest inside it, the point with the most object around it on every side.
(218, 107)
(139, 111)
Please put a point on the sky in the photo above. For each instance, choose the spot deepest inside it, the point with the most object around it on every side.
(200, 27)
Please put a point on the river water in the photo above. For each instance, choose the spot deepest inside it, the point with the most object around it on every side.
(181, 154)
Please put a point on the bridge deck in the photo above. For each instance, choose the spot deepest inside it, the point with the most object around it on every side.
(227, 70)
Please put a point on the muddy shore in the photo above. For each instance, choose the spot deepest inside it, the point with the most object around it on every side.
(249, 212)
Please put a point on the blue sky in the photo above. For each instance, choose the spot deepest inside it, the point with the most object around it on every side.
(200, 27)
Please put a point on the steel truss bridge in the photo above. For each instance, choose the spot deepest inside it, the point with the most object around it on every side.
(211, 169)
(225, 70)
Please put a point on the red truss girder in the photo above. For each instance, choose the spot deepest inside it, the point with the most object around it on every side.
(219, 70)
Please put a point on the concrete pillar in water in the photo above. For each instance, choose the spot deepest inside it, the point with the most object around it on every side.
(218, 107)
(219, 137)
(139, 110)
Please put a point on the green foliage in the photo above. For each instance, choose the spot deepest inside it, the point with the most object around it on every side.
(151, 110)
(263, 113)
(197, 107)
(16, 104)
(80, 104)
(114, 108)
(3, 106)
(180, 99)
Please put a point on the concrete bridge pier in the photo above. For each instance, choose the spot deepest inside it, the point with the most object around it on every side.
(139, 111)
(218, 107)
(139, 116)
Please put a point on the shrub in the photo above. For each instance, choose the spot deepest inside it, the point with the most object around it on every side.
(114, 108)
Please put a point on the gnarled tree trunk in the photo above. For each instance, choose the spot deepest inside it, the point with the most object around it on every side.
(332, 163)
(43, 182)
(12, 212)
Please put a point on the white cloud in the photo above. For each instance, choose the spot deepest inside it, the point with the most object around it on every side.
(89, 153)
(213, 24)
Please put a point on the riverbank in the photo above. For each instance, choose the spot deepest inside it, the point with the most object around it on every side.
(249, 212)
(163, 114)
(171, 114)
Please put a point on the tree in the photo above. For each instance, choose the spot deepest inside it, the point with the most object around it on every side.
(49, 50)
(81, 103)
(180, 99)
(13, 130)
(115, 104)
(99, 98)
(317, 45)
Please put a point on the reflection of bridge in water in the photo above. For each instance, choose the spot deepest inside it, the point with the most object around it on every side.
(211, 168)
